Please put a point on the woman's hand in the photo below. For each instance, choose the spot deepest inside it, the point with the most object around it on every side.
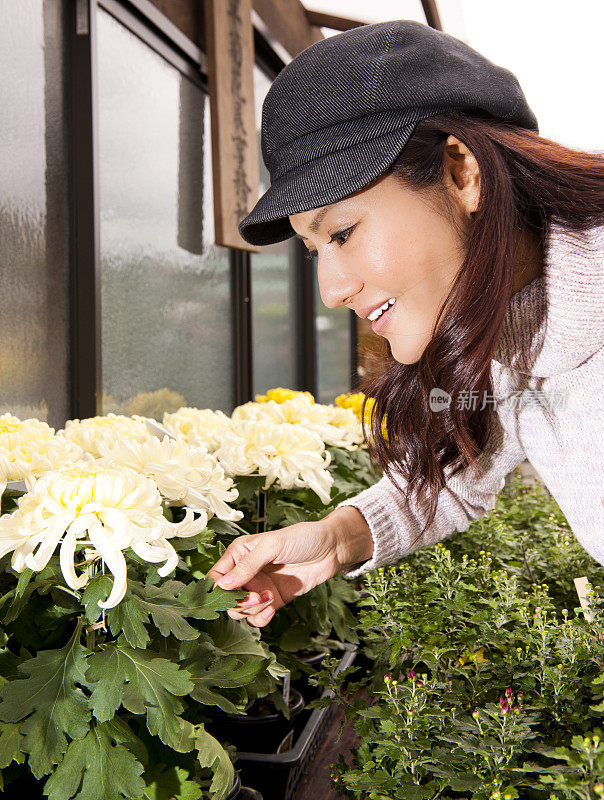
(277, 566)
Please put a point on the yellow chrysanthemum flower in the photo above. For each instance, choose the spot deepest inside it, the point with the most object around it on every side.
(351, 400)
(114, 508)
(289, 454)
(280, 395)
(355, 402)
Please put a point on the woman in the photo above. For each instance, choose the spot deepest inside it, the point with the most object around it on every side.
(413, 168)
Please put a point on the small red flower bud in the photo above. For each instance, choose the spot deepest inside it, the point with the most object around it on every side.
(509, 693)
(411, 675)
(419, 683)
(516, 710)
(520, 695)
(387, 678)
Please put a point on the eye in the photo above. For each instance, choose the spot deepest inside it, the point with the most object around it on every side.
(341, 237)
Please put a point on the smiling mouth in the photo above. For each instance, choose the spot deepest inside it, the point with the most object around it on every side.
(381, 322)
(381, 310)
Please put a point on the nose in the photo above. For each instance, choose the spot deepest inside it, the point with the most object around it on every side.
(335, 285)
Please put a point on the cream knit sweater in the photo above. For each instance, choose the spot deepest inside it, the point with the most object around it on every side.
(548, 388)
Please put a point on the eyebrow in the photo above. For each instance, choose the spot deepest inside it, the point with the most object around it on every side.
(316, 222)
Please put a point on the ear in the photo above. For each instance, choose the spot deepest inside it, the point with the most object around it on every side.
(461, 175)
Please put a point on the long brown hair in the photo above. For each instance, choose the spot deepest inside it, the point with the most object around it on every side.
(526, 181)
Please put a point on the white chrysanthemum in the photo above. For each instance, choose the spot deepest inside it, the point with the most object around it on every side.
(112, 508)
(336, 426)
(200, 427)
(185, 475)
(28, 448)
(288, 453)
(107, 430)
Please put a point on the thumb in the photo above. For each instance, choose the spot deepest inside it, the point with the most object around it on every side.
(245, 569)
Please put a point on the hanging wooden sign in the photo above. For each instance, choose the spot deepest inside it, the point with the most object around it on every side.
(230, 58)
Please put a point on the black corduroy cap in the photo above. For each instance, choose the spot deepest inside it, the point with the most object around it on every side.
(339, 114)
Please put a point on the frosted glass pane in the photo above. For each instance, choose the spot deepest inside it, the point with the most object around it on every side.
(166, 305)
(333, 348)
(272, 318)
(34, 272)
(272, 280)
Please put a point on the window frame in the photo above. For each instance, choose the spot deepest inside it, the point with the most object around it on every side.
(150, 25)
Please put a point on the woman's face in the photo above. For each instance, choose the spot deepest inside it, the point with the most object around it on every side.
(385, 242)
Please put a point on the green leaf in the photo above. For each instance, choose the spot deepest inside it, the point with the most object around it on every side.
(142, 683)
(97, 588)
(20, 601)
(144, 602)
(10, 744)
(121, 732)
(224, 673)
(211, 754)
(201, 603)
(163, 604)
(129, 618)
(225, 527)
(24, 579)
(54, 706)
(296, 637)
(165, 784)
(97, 766)
(237, 638)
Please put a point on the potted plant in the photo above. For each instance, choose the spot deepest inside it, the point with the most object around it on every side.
(485, 685)
(107, 665)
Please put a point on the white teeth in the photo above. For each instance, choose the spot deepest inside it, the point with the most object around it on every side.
(379, 311)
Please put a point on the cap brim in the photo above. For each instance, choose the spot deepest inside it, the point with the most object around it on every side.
(326, 180)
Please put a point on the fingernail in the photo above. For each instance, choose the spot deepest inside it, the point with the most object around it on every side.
(226, 580)
(268, 612)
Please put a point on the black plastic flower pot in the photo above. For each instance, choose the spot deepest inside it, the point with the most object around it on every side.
(260, 732)
(249, 794)
(234, 793)
(239, 792)
(278, 775)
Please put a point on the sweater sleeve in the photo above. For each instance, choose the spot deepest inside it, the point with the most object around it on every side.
(395, 523)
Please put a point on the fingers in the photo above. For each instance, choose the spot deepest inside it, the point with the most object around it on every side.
(262, 602)
(247, 558)
(250, 606)
(261, 619)
(234, 553)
